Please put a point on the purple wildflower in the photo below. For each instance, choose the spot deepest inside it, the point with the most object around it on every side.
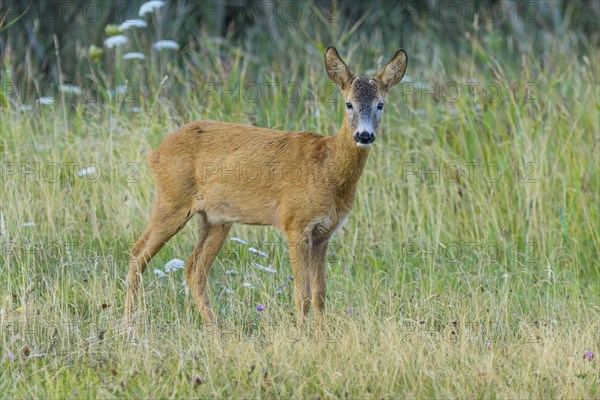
(589, 356)
(76, 392)
(349, 311)
(11, 356)
(260, 308)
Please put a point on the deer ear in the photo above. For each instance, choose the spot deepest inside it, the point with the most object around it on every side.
(394, 70)
(336, 68)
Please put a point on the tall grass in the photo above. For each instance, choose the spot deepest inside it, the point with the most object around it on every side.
(468, 268)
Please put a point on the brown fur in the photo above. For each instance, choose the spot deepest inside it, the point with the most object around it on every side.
(302, 183)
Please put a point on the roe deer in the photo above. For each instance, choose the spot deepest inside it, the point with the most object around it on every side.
(193, 170)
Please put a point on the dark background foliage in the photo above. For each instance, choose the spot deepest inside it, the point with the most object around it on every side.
(28, 28)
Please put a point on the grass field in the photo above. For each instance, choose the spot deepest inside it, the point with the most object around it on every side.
(469, 267)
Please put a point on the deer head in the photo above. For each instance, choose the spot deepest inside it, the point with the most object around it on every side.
(364, 97)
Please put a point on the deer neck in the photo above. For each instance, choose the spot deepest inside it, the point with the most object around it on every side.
(348, 159)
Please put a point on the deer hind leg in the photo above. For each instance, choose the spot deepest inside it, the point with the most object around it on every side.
(198, 265)
(318, 276)
(300, 259)
(164, 223)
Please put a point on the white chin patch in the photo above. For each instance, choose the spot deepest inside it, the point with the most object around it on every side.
(363, 144)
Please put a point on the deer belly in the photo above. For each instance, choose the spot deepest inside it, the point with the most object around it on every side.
(238, 208)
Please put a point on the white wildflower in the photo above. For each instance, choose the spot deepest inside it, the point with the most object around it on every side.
(25, 107)
(229, 291)
(248, 284)
(71, 89)
(236, 239)
(166, 44)
(116, 41)
(174, 265)
(46, 100)
(134, 56)
(266, 269)
(87, 171)
(28, 224)
(3, 226)
(259, 252)
(136, 110)
(151, 6)
(133, 23)
(231, 272)
(159, 273)
(121, 89)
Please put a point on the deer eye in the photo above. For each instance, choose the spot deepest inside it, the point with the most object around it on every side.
(349, 106)
(380, 106)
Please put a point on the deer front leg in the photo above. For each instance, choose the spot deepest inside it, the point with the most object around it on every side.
(318, 276)
(300, 259)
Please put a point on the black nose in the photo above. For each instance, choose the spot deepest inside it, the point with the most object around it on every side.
(364, 137)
